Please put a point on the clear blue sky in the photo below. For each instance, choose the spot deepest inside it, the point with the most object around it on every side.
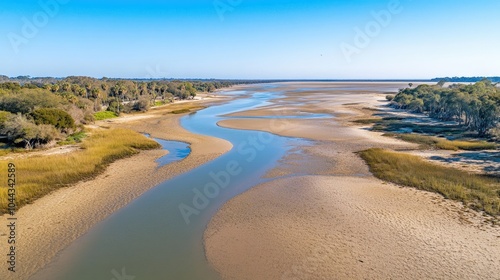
(249, 39)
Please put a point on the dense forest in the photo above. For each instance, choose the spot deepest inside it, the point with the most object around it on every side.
(476, 106)
(35, 112)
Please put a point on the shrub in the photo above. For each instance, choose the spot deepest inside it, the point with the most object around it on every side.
(56, 117)
(142, 105)
(88, 118)
(115, 107)
(74, 138)
(4, 116)
(21, 131)
(10, 86)
(128, 108)
(29, 99)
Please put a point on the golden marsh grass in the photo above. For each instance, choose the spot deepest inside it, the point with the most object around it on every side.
(39, 175)
(476, 191)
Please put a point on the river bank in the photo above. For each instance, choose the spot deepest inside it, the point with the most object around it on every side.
(160, 234)
(324, 216)
(53, 222)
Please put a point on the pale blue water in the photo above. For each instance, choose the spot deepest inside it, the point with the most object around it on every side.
(300, 115)
(176, 151)
(151, 238)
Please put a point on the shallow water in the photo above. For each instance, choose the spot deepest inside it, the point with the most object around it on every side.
(176, 151)
(299, 115)
(160, 234)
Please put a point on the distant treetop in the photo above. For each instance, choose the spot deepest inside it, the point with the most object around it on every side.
(466, 79)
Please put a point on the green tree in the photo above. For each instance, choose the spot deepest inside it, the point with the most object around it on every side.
(477, 106)
(142, 104)
(27, 100)
(55, 88)
(55, 117)
(115, 107)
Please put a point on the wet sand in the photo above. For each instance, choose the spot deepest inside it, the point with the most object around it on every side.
(53, 222)
(324, 216)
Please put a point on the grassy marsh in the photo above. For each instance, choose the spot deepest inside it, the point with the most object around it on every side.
(40, 175)
(476, 191)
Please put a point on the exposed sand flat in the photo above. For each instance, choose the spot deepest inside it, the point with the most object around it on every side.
(54, 221)
(168, 127)
(310, 129)
(326, 227)
(338, 221)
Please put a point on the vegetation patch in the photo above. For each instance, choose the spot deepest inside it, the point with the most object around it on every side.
(104, 115)
(40, 175)
(444, 144)
(39, 112)
(53, 116)
(181, 111)
(474, 107)
(161, 103)
(476, 191)
(368, 121)
(372, 109)
(399, 124)
(74, 138)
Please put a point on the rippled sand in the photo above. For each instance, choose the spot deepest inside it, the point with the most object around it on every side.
(335, 220)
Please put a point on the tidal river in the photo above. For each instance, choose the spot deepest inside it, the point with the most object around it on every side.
(160, 234)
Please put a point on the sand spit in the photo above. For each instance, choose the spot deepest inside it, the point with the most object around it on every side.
(335, 220)
(56, 220)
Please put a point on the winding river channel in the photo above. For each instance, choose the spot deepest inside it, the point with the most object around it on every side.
(160, 234)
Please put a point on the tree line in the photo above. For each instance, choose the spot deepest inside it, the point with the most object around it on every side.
(475, 106)
(466, 79)
(36, 112)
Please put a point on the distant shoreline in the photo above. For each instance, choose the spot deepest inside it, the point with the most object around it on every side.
(4, 78)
